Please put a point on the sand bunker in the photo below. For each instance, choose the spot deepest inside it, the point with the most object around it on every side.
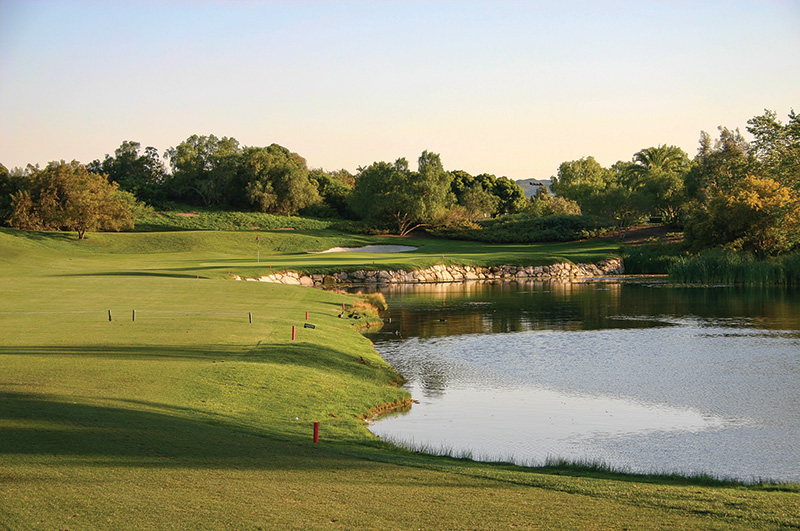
(370, 249)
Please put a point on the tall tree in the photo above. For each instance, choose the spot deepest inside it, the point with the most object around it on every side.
(387, 193)
(580, 179)
(659, 173)
(205, 171)
(143, 175)
(719, 164)
(277, 180)
(511, 196)
(777, 146)
(334, 188)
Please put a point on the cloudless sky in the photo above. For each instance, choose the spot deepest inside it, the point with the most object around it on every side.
(510, 88)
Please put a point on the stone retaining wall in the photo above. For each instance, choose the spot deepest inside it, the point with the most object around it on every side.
(451, 273)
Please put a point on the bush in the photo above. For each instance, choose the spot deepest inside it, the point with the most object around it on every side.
(520, 228)
(652, 259)
(223, 220)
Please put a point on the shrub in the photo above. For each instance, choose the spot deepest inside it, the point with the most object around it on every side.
(223, 220)
(520, 228)
(652, 259)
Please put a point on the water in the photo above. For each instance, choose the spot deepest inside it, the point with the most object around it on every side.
(639, 377)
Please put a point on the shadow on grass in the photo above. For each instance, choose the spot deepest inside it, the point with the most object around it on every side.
(135, 273)
(298, 353)
(39, 236)
(162, 437)
(118, 352)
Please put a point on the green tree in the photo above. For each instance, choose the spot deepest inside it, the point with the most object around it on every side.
(511, 196)
(390, 193)
(205, 171)
(277, 180)
(759, 215)
(776, 146)
(543, 204)
(580, 179)
(478, 202)
(66, 196)
(8, 185)
(143, 175)
(719, 165)
(334, 187)
(659, 174)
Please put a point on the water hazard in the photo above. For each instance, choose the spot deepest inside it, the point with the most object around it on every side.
(642, 377)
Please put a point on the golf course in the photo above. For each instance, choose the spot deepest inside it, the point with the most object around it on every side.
(143, 387)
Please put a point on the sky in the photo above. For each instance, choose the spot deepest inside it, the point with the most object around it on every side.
(508, 88)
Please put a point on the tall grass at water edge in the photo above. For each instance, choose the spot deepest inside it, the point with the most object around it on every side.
(717, 266)
(586, 467)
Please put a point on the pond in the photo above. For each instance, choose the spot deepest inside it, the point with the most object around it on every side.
(641, 377)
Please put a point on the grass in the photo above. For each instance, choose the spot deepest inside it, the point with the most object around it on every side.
(191, 417)
(222, 220)
(730, 267)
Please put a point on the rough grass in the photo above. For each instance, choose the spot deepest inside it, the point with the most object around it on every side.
(717, 266)
(222, 220)
(191, 417)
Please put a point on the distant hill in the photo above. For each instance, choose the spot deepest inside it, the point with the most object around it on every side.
(531, 185)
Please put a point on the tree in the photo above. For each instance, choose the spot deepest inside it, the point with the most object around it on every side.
(511, 196)
(277, 180)
(8, 185)
(143, 175)
(776, 147)
(478, 203)
(334, 187)
(659, 173)
(719, 164)
(205, 171)
(66, 196)
(543, 204)
(387, 193)
(759, 215)
(580, 179)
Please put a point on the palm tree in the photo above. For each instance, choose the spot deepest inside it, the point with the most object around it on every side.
(659, 172)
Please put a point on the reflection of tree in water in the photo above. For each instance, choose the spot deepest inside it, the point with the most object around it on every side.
(432, 311)
(435, 310)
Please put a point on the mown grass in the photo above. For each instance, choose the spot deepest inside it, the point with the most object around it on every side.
(191, 417)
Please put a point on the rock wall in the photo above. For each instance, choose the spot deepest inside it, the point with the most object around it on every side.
(451, 273)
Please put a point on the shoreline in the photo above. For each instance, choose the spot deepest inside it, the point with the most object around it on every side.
(562, 271)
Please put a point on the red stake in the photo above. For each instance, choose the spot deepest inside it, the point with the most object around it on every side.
(294, 333)
(306, 316)
(316, 432)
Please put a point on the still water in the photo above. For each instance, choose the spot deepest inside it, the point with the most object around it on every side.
(642, 377)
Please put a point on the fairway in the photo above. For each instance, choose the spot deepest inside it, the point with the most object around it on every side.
(197, 410)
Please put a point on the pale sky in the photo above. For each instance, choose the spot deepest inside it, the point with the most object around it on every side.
(510, 88)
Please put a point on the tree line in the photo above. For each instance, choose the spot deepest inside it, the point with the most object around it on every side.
(733, 192)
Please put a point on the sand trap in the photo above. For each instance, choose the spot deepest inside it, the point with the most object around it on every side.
(370, 249)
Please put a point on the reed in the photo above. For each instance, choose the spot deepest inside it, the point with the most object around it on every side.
(718, 266)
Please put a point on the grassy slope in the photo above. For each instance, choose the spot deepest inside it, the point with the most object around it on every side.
(193, 418)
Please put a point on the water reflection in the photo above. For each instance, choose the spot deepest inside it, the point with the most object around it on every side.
(634, 375)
